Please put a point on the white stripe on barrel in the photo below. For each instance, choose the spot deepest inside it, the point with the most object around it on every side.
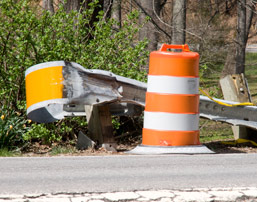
(172, 84)
(170, 121)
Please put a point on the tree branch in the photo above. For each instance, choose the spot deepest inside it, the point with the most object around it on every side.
(151, 17)
(180, 30)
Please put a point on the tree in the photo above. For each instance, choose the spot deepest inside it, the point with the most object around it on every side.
(244, 20)
(116, 12)
(107, 7)
(149, 30)
(241, 37)
(72, 5)
(179, 22)
(48, 5)
(235, 62)
(112, 9)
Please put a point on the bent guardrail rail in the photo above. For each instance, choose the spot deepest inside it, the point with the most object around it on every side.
(58, 89)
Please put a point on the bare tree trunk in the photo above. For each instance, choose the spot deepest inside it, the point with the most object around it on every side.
(149, 30)
(107, 7)
(72, 5)
(179, 22)
(48, 5)
(116, 12)
(236, 64)
(250, 8)
(245, 10)
(112, 9)
(230, 64)
(241, 36)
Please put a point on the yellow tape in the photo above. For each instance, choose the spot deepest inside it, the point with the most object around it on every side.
(226, 104)
(240, 141)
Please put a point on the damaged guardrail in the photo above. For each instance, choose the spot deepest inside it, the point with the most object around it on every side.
(58, 89)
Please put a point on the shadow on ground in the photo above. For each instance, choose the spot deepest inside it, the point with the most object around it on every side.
(225, 147)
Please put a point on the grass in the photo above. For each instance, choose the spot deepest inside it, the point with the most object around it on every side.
(9, 153)
(58, 150)
(214, 131)
(251, 74)
(54, 151)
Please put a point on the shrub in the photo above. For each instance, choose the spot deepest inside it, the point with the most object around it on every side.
(12, 127)
(29, 35)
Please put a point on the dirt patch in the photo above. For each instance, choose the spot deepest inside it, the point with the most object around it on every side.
(37, 150)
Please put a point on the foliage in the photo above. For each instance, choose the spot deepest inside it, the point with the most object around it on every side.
(40, 132)
(55, 132)
(5, 152)
(29, 36)
(12, 126)
(114, 51)
(202, 71)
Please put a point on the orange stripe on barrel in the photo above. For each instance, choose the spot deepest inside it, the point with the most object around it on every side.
(171, 103)
(174, 64)
(170, 138)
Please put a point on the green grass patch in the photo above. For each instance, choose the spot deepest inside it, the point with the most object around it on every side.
(251, 74)
(249, 57)
(250, 65)
(4, 152)
(58, 150)
(214, 131)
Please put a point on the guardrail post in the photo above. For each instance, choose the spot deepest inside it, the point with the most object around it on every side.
(100, 126)
(234, 88)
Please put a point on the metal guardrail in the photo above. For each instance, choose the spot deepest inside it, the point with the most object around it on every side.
(125, 97)
(239, 115)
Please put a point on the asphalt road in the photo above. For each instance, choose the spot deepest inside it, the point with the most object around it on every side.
(125, 173)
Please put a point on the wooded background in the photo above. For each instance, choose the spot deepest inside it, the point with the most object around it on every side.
(209, 26)
(114, 35)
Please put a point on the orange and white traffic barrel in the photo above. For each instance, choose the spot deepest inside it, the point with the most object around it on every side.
(171, 116)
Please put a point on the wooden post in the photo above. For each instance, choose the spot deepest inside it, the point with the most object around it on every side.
(234, 88)
(100, 126)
